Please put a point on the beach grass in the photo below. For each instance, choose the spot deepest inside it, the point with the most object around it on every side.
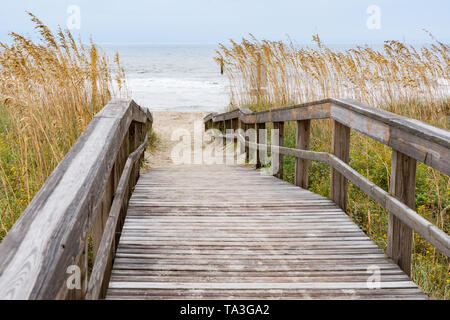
(399, 78)
(49, 91)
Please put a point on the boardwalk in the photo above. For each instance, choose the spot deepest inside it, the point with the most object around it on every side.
(220, 232)
(197, 232)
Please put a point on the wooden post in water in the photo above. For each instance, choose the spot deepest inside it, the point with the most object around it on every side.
(280, 127)
(341, 149)
(403, 185)
(301, 165)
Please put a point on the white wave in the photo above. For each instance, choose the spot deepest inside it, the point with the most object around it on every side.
(175, 93)
(172, 83)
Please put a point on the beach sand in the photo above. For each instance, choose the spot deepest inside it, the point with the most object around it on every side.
(164, 123)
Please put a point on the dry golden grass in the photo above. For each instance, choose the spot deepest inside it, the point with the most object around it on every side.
(399, 78)
(49, 91)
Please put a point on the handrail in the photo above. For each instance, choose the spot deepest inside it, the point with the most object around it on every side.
(410, 140)
(48, 246)
(99, 276)
(421, 141)
(422, 226)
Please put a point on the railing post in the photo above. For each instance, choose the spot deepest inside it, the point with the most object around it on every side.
(341, 149)
(235, 126)
(132, 145)
(402, 186)
(280, 127)
(125, 152)
(223, 130)
(301, 165)
(241, 143)
(259, 133)
(247, 139)
(228, 127)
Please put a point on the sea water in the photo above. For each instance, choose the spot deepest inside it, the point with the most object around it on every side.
(173, 77)
(179, 77)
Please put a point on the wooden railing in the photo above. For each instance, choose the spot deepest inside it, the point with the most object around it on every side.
(75, 217)
(410, 140)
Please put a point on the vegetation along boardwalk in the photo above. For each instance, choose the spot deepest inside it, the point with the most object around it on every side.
(99, 229)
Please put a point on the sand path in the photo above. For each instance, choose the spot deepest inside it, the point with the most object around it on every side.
(164, 123)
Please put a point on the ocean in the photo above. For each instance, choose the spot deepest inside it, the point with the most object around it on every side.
(173, 77)
(179, 77)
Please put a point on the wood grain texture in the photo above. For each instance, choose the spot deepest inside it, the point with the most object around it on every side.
(416, 139)
(403, 187)
(274, 240)
(302, 143)
(51, 234)
(261, 138)
(408, 216)
(100, 275)
(340, 147)
(280, 127)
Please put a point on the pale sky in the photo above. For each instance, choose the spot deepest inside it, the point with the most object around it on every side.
(212, 21)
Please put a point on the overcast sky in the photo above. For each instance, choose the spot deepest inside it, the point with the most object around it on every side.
(212, 21)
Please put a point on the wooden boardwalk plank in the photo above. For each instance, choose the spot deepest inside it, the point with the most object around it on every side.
(230, 232)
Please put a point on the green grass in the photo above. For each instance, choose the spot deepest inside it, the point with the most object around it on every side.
(12, 197)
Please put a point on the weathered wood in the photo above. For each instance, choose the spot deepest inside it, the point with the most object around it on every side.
(235, 124)
(416, 139)
(262, 285)
(228, 124)
(52, 232)
(224, 131)
(280, 127)
(302, 143)
(273, 238)
(341, 149)
(246, 140)
(241, 140)
(100, 275)
(91, 166)
(403, 187)
(430, 232)
(97, 230)
(313, 110)
(420, 141)
(261, 136)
